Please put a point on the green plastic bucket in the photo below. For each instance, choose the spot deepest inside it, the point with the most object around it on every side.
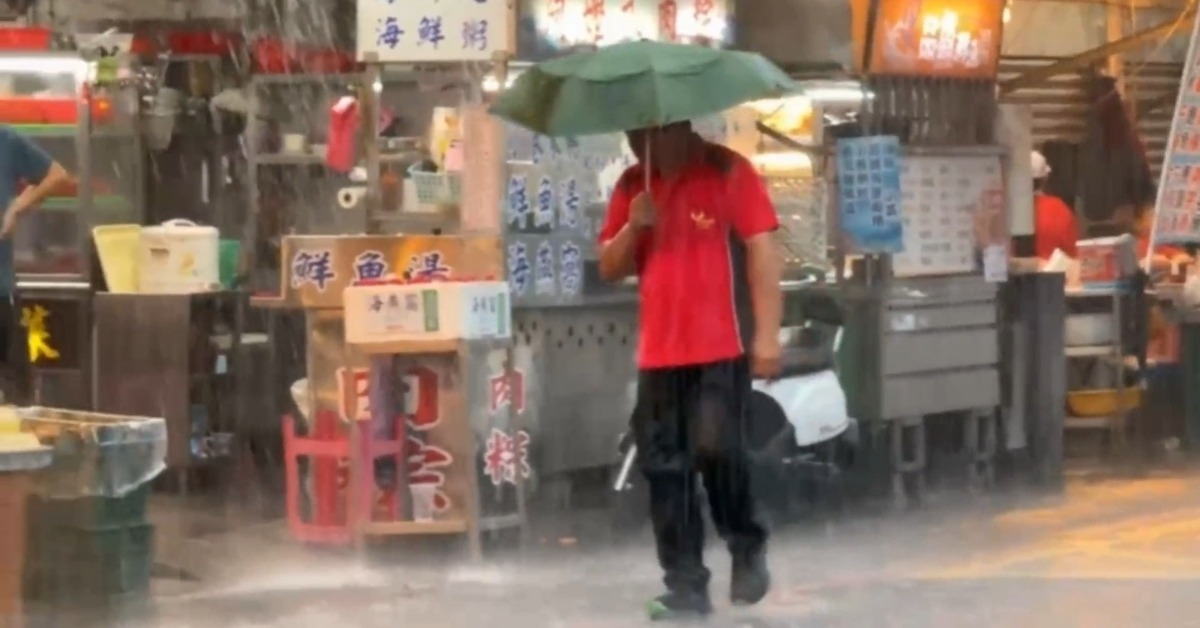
(230, 253)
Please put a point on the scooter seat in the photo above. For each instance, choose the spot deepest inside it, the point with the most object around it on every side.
(798, 361)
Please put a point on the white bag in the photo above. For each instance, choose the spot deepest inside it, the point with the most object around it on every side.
(814, 404)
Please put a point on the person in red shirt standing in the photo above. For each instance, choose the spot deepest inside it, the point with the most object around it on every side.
(1054, 222)
(697, 233)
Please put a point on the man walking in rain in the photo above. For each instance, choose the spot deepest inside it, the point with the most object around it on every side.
(22, 163)
(696, 229)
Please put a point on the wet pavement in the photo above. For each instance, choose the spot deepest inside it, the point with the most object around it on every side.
(1110, 553)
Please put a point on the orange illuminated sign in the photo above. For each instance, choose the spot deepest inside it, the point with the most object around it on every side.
(937, 38)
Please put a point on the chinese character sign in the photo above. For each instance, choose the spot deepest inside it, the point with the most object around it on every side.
(570, 273)
(517, 206)
(544, 281)
(507, 389)
(34, 320)
(1179, 188)
(869, 201)
(519, 271)
(570, 211)
(370, 266)
(427, 266)
(313, 268)
(543, 214)
(434, 30)
(943, 38)
(506, 456)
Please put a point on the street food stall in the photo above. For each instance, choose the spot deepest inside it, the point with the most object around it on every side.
(55, 99)
(922, 208)
(409, 415)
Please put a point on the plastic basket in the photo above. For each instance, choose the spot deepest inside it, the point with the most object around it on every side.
(117, 247)
(437, 188)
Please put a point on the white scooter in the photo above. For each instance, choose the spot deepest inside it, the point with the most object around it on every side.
(800, 435)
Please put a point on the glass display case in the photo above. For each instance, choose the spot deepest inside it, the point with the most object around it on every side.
(53, 99)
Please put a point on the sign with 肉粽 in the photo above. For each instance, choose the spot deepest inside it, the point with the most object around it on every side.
(407, 31)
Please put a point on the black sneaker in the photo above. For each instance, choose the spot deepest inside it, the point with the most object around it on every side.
(678, 605)
(750, 580)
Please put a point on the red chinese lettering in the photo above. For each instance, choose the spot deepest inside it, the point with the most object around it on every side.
(667, 20)
(506, 456)
(354, 394)
(703, 11)
(425, 465)
(593, 16)
(627, 7)
(556, 9)
(421, 399)
(507, 388)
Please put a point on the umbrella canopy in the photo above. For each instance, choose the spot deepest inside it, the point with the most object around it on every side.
(636, 85)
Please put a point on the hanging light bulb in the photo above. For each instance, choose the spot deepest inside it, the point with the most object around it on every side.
(1006, 15)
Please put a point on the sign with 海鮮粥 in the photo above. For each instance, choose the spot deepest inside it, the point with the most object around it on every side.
(412, 31)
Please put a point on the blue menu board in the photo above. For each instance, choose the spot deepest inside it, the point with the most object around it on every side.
(868, 186)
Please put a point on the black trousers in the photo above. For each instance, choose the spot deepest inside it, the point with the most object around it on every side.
(14, 353)
(689, 422)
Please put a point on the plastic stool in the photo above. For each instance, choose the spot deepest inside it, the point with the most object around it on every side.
(336, 511)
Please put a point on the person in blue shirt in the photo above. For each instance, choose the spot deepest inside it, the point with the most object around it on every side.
(22, 165)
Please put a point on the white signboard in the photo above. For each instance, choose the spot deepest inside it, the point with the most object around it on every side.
(411, 31)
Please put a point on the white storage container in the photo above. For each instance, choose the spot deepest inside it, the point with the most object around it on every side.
(466, 310)
(178, 257)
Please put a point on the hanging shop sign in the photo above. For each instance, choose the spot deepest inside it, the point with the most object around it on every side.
(1179, 190)
(935, 38)
(54, 332)
(434, 30)
(549, 26)
(869, 202)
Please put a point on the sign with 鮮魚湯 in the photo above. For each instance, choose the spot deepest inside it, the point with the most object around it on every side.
(410, 31)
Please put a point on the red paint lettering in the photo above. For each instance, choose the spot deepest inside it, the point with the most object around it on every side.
(507, 388)
(627, 7)
(667, 20)
(425, 465)
(703, 11)
(421, 399)
(593, 16)
(506, 456)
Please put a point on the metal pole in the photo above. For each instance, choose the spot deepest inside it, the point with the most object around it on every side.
(369, 108)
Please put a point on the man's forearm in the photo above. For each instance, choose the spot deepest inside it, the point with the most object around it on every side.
(765, 270)
(618, 256)
(55, 177)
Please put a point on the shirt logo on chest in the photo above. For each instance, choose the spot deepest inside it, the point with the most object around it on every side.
(702, 221)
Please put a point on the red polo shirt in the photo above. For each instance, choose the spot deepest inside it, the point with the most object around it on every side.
(1054, 226)
(691, 271)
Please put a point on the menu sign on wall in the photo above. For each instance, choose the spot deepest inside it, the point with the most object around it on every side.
(1179, 190)
(938, 38)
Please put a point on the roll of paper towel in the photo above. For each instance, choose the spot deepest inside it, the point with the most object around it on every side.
(349, 198)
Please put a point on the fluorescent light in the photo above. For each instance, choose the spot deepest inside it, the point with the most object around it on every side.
(491, 85)
(789, 161)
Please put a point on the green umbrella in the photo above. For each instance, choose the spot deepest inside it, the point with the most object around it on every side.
(636, 85)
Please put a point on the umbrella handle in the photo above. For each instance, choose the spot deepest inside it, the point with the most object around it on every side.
(646, 166)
